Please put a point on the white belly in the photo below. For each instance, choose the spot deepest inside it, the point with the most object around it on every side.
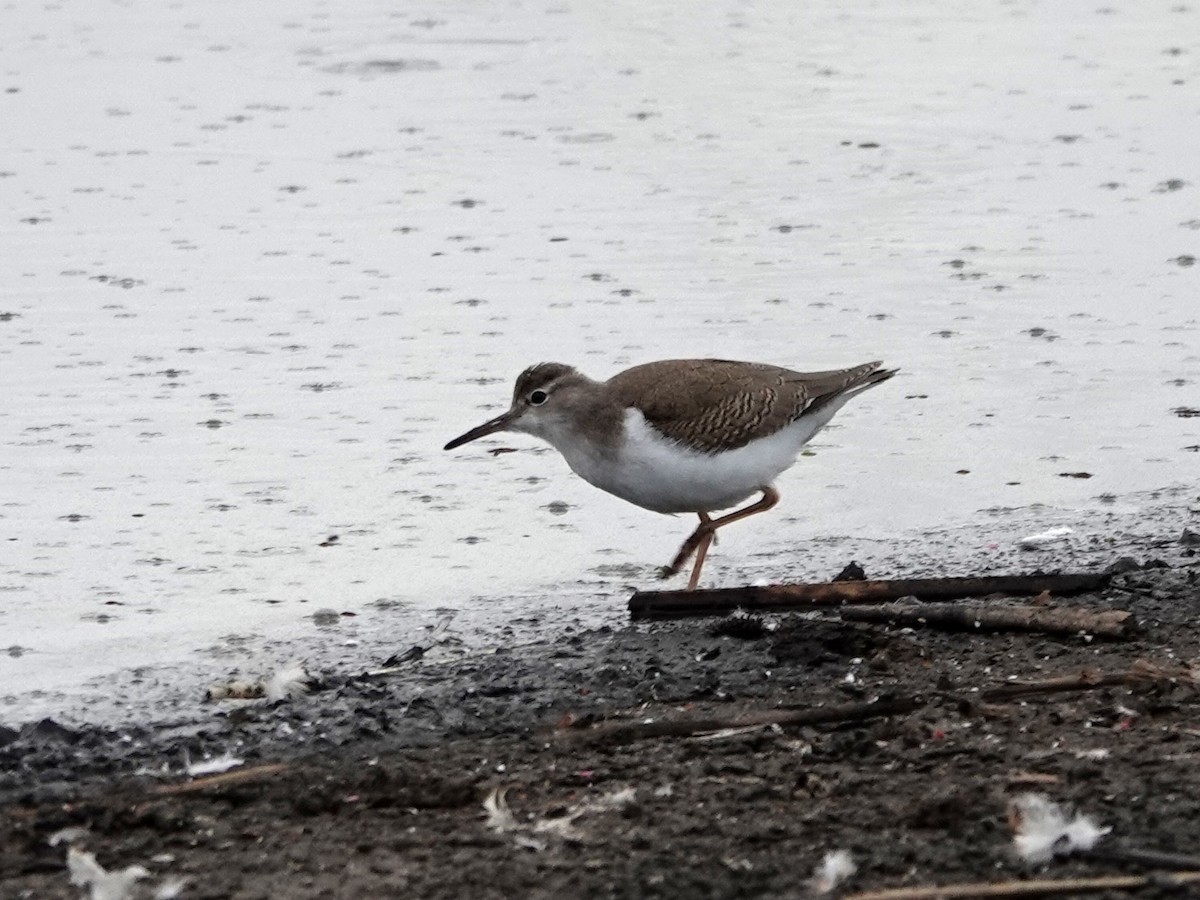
(659, 474)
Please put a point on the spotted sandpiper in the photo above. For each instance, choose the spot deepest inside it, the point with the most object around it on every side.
(681, 435)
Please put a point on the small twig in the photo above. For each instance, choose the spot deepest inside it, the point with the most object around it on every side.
(624, 731)
(385, 671)
(1035, 888)
(1141, 673)
(223, 780)
(684, 726)
(726, 733)
(976, 617)
(1138, 856)
(1032, 778)
(1085, 680)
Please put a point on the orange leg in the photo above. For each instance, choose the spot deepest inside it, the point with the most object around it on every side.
(706, 533)
(706, 541)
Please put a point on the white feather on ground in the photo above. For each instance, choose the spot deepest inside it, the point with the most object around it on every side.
(290, 681)
(1045, 538)
(1043, 830)
(287, 683)
(171, 889)
(70, 836)
(214, 765)
(86, 872)
(103, 885)
(501, 820)
(836, 867)
(500, 817)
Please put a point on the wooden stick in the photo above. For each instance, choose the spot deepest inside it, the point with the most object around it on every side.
(224, 779)
(1110, 623)
(623, 732)
(719, 601)
(1139, 856)
(1140, 673)
(1034, 888)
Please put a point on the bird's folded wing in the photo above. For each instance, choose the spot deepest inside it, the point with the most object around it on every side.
(711, 405)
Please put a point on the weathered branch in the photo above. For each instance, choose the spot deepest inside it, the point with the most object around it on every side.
(1110, 623)
(224, 779)
(783, 597)
(621, 732)
(1045, 887)
(1139, 856)
(1141, 673)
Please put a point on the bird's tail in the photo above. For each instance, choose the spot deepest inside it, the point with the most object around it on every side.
(855, 381)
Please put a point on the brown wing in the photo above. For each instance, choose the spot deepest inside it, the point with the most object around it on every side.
(717, 404)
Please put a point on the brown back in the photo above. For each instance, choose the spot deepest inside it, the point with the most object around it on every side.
(717, 404)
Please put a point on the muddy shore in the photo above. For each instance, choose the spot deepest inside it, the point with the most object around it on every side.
(376, 784)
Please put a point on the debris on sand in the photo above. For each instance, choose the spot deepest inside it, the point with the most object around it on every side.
(1012, 715)
(200, 783)
(103, 885)
(804, 597)
(1043, 829)
(626, 730)
(852, 572)
(499, 814)
(235, 690)
(1044, 539)
(170, 889)
(743, 625)
(529, 834)
(72, 835)
(1110, 623)
(213, 766)
(287, 683)
(1141, 674)
(837, 866)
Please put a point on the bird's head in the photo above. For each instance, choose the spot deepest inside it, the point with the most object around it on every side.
(545, 398)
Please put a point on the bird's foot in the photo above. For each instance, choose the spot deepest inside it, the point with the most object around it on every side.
(695, 539)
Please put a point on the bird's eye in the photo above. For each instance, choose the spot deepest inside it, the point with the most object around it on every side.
(537, 398)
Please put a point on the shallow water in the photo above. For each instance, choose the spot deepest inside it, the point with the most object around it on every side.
(260, 264)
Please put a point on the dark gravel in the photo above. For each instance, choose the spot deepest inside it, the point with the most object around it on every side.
(385, 778)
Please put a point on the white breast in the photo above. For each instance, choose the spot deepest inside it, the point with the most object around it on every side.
(656, 473)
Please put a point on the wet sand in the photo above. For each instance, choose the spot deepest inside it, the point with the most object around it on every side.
(376, 783)
(261, 264)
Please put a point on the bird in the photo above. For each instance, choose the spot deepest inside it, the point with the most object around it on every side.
(681, 435)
